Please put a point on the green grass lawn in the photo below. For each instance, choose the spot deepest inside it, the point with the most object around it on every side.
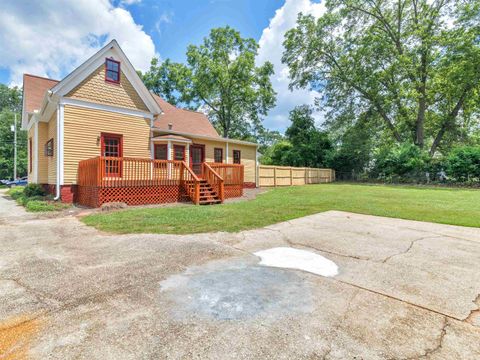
(440, 205)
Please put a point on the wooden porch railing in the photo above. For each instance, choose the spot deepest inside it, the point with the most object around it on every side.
(232, 174)
(214, 179)
(189, 177)
(111, 172)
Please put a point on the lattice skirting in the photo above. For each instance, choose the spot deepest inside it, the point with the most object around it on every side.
(88, 196)
(233, 191)
(134, 195)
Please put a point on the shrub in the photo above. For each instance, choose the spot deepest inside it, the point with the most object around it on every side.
(32, 190)
(42, 205)
(463, 163)
(405, 162)
(16, 192)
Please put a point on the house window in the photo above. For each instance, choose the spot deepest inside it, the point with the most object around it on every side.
(30, 156)
(161, 152)
(112, 148)
(49, 148)
(179, 152)
(218, 155)
(237, 159)
(112, 71)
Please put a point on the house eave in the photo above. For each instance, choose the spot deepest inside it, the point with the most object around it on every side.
(205, 137)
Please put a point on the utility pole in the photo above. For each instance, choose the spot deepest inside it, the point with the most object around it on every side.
(15, 146)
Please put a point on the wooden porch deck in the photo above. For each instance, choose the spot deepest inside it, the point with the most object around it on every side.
(138, 181)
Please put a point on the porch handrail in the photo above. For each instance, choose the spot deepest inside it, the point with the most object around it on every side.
(215, 180)
(232, 174)
(192, 191)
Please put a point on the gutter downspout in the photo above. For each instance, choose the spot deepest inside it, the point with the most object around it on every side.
(59, 144)
(57, 186)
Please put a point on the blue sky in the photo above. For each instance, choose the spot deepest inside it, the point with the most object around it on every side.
(51, 37)
(174, 25)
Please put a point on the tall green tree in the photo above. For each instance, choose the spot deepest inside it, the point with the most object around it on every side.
(413, 64)
(10, 103)
(310, 146)
(221, 77)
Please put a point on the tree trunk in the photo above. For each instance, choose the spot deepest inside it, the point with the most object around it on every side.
(419, 134)
(450, 119)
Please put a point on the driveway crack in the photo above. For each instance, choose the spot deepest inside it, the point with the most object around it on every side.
(294, 244)
(45, 298)
(413, 242)
(474, 314)
(438, 346)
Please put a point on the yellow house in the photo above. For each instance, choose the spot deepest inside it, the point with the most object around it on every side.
(99, 135)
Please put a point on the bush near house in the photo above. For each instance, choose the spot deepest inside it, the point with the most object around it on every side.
(34, 199)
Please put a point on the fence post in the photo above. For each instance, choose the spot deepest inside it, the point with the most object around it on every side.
(291, 176)
(275, 176)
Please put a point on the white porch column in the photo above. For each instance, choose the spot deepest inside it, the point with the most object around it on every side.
(35, 153)
(226, 155)
(169, 157)
(169, 150)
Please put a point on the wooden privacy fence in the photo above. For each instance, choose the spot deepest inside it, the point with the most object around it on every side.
(289, 176)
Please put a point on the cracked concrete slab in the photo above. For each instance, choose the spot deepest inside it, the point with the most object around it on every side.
(406, 290)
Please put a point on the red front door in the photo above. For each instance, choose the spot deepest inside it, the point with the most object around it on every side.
(197, 156)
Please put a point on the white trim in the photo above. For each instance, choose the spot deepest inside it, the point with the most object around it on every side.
(60, 142)
(89, 66)
(32, 121)
(186, 141)
(226, 155)
(256, 167)
(212, 138)
(110, 108)
(169, 150)
(152, 147)
(35, 153)
(59, 146)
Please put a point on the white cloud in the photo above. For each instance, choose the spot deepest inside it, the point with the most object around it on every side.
(165, 18)
(130, 2)
(271, 49)
(43, 38)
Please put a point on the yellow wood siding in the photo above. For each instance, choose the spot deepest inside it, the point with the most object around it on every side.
(82, 131)
(247, 158)
(94, 88)
(52, 160)
(42, 159)
(247, 155)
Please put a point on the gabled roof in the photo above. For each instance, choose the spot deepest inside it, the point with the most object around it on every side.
(37, 97)
(183, 121)
(34, 89)
(113, 50)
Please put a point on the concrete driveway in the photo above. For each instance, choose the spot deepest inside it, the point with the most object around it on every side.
(405, 290)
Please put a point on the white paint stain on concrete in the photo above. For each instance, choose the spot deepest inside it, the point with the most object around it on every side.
(290, 258)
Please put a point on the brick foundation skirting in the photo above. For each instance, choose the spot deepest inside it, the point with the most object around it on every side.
(68, 193)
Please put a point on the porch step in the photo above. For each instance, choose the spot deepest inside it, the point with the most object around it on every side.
(208, 196)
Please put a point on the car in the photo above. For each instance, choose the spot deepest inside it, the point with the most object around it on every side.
(19, 182)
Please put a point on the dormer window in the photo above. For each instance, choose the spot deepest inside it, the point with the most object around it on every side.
(112, 71)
